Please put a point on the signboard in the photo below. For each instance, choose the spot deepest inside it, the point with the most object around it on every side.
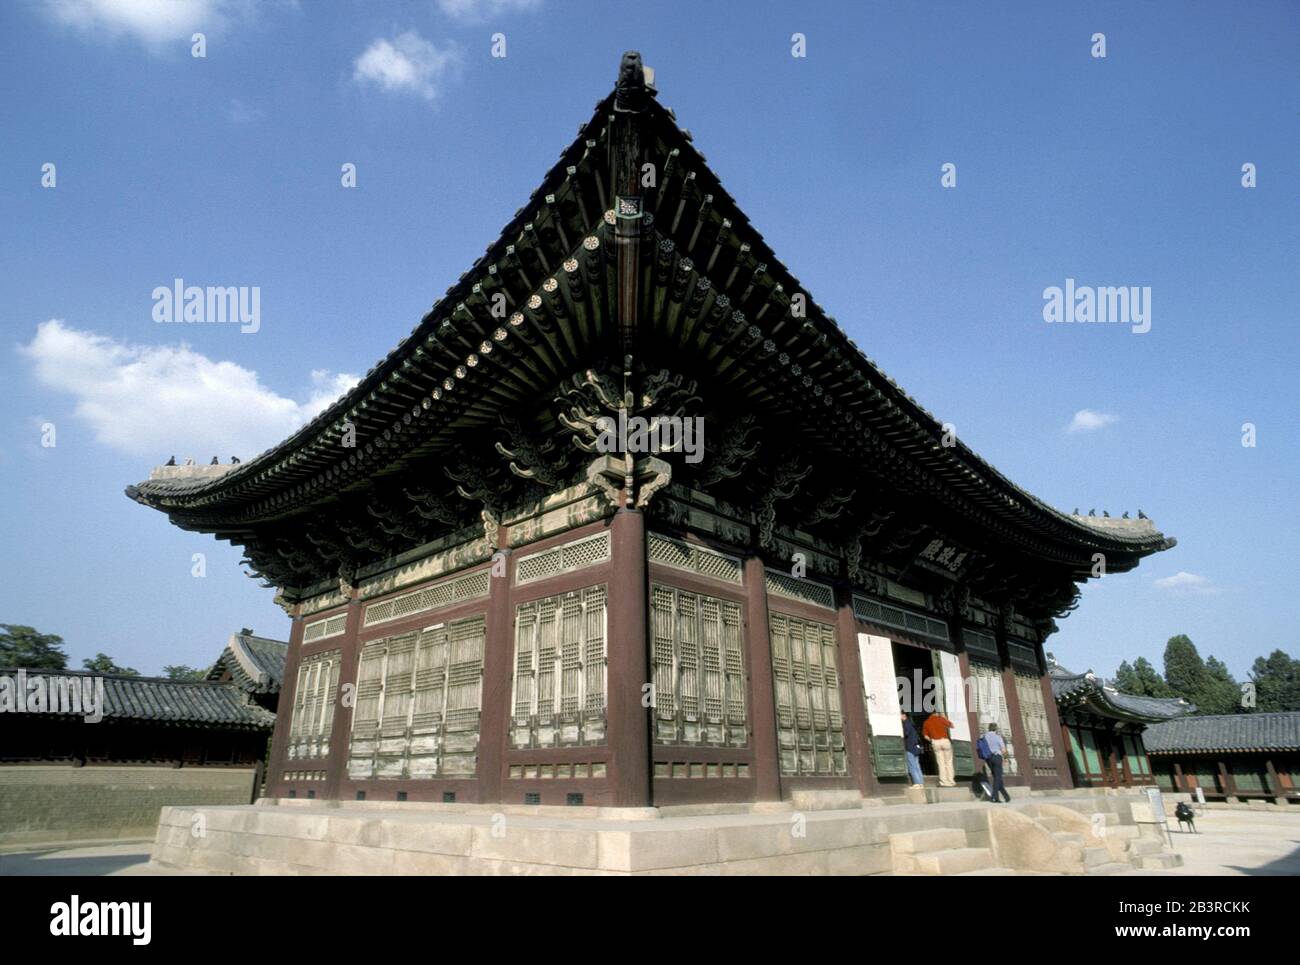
(1157, 805)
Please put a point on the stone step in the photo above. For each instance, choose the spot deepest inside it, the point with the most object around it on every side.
(933, 839)
(1139, 846)
(1157, 861)
(1122, 831)
(1110, 868)
(954, 861)
(1067, 837)
(1093, 856)
(987, 872)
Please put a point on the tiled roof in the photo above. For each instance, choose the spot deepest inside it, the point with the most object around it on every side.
(1226, 732)
(255, 664)
(186, 703)
(1106, 697)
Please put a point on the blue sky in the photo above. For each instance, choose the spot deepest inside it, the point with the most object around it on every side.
(225, 170)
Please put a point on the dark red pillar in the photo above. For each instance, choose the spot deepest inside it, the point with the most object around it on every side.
(628, 654)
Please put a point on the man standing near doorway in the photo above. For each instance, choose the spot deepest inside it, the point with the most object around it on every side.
(997, 748)
(936, 730)
(912, 745)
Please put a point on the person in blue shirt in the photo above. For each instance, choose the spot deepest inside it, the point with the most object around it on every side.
(912, 744)
(997, 749)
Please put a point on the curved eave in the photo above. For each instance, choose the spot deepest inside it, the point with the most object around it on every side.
(866, 390)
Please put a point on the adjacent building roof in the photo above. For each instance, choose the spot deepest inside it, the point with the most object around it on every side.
(184, 703)
(1226, 732)
(255, 664)
(1073, 690)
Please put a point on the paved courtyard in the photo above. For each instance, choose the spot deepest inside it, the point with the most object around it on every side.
(1238, 843)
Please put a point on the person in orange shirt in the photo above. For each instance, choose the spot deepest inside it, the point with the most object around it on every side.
(936, 730)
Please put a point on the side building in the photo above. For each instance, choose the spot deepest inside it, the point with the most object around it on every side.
(628, 519)
(1231, 757)
(103, 767)
(1104, 728)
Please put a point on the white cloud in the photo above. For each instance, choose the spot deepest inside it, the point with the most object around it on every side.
(154, 22)
(407, 64)
(163, 400)
(1086, 420)
(476, 11)
(1184, 582)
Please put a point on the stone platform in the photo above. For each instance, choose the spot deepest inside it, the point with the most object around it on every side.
(829, 835)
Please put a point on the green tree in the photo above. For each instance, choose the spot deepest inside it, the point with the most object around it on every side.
(1141, 679)
(179, 671)
(1222, 693)
(22, 646)
(1277, 682)
(103, 663)
(1184, 669)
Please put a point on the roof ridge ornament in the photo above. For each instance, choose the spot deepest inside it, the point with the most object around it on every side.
(633, 80)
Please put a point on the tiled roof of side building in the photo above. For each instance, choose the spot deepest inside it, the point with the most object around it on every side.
(1226, 732)
(255, 664)
(1088, 687)
(187, 703)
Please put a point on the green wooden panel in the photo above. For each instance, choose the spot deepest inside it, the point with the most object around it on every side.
(888, 756)
(963, 758)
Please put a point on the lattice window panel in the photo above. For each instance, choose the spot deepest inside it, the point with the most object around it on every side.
(810, 724)
(563, 559)
(698, 669)
(418, 702)
(471, 586)
(1023, 656)
(313, 705)
(886, 614)
(1033, 714)
(980, 644)
(558, 697)
(809, 591)
(989, 702)
(322, 629)
(697, 559)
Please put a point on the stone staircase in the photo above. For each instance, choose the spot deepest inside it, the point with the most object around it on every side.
(1033, 839)
(941, 851)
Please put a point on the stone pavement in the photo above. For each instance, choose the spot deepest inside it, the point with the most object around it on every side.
(1238, 843)
(77, 859)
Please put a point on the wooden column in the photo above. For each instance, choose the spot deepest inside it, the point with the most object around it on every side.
(498, 656)
(1180, 782)
(628, 663)
(1055, 728)
(284, 706)
(1018, 737)
(852, 705)
(341, 732)
(762, 696)
(1225, 779)
(1279, 792)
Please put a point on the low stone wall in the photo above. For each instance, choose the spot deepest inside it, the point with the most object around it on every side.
(343, 837)
(40, 804)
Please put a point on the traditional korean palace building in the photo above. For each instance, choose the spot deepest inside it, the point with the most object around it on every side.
(497, 598)
(1230, 757)
(1104, 727)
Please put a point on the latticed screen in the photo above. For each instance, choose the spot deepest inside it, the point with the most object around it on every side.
(559, 677)
(444, 594)
(699, 675)
(990, 705)
(1033, 714)
(810, 725)
(313, 705)
(320, 629)
(688, 556)
(417, 703)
